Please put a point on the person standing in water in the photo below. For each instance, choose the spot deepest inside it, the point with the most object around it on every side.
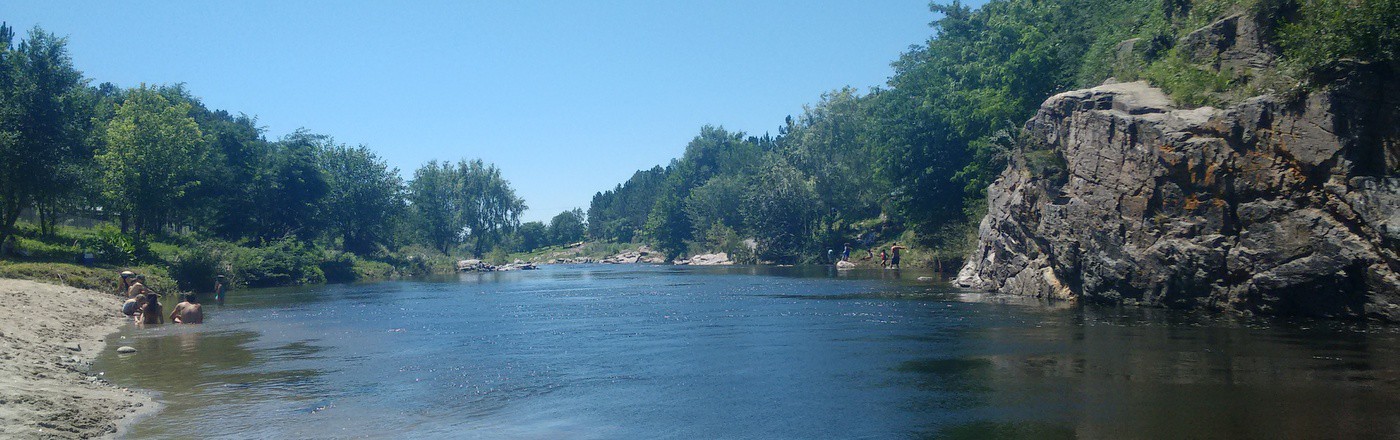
(884, 258)
(894, 251)
(188, 311)
(220, 287)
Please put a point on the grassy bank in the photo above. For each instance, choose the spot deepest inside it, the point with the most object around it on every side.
(187, 263)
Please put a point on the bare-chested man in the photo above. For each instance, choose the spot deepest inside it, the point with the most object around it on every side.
(188, 311)
(138, 287)
(894, 260)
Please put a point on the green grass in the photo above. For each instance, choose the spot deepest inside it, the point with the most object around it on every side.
(99, 278)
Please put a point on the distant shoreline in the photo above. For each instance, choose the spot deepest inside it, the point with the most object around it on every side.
(49, 335)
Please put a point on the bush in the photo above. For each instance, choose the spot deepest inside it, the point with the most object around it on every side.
(339, 267)
(113, 247)
(1325, 31)
(195, 268)
(286, 262)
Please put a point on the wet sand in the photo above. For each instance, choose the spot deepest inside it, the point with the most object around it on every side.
(49, 335)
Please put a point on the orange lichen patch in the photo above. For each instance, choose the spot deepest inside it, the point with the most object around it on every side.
(1192, 203)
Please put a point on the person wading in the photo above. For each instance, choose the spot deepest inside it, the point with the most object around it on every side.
(894, 251)
(188, 311)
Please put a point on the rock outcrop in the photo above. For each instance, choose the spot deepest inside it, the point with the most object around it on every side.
(715, 259)
(1270, 206)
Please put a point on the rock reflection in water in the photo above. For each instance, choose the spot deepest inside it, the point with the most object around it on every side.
(1149, 373)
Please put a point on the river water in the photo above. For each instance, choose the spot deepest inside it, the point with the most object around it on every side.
(645, 352)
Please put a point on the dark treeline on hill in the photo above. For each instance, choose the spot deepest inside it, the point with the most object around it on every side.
(153, 166)
(911, 160)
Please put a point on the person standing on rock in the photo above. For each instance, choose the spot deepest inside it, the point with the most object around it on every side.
(846, 252)
(894, 251)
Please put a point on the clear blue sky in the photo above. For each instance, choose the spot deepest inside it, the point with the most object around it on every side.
(568, 98)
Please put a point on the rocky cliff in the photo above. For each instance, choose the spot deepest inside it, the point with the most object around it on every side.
(1271, 206)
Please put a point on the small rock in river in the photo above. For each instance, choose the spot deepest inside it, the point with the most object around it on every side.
(126, 349)
(925, 278)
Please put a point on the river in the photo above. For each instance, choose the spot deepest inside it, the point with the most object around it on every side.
(645, 352)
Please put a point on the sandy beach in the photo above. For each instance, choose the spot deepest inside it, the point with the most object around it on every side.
(49, 335)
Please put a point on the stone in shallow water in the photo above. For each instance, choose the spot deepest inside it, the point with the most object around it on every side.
(126, 349)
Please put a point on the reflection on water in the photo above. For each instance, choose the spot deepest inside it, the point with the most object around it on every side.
(745, 352)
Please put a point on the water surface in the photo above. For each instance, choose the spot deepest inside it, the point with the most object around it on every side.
(634, 351)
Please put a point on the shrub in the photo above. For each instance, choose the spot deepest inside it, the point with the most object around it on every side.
(195, 268)
(113, 247)
(339, 267)
(285, 262)
(1324, 31)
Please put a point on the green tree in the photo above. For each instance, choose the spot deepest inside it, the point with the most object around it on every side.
(365, 197)
(44, 117)
(531, 236)
(568, 227)
(488, 206)
(433, 202)
(291, 197)
(153, 155)
(782, 213)
(466, 202)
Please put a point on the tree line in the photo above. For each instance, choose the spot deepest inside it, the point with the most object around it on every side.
(917, 154)
(155, 160)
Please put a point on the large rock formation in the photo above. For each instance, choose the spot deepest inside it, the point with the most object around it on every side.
(1272, 206)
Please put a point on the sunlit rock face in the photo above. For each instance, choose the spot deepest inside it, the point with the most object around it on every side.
(1272, 206)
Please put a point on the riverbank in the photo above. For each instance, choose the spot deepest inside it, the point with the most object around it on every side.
(49, 335)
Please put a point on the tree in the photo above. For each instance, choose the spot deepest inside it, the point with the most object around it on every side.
(292, 194)
(44, 117)
(782, 212)
(568, 227)
(153, 156)
(432, 197)
(466, 202)
(618, 214)
(365, 197)
(488, 206)
(717, 202)
(531, 236)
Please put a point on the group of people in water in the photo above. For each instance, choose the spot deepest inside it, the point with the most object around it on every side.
(144, 307)
(885, 257)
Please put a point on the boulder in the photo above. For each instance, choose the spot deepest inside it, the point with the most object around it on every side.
(715, 259)
(1271, 206)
